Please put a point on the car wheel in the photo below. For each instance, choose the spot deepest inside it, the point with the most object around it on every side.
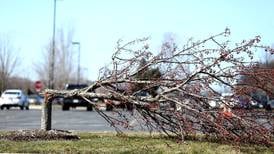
(89, 108)
(2, 107)
(65, 107)
(8, 107)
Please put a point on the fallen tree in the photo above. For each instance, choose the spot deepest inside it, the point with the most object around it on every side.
(177, 102)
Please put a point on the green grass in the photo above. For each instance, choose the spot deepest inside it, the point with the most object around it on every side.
(132, 143)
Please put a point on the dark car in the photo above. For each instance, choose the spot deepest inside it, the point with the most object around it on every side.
(75, 101)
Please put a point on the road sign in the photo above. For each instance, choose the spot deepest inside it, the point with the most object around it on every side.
(38, 85)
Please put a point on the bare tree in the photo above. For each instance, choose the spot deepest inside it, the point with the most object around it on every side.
(209, 62)
(65, 60)
(22, 83)
(8, 61)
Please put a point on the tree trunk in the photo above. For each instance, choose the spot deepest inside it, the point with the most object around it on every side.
(46, 115)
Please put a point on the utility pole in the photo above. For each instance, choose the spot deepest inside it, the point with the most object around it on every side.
(47, 104)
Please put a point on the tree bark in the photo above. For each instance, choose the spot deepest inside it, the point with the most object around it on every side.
(46, 114)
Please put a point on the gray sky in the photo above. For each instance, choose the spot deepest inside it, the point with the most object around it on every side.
(98, 24)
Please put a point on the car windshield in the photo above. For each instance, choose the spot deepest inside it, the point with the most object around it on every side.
(12, 93)
(75, 86)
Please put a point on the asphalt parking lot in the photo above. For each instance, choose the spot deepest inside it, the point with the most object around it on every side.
(75, 119)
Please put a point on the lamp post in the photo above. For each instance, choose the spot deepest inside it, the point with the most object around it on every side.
(78, 67)
(46, 114)
(52, 59)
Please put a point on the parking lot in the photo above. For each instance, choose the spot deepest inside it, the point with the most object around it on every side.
(75, 119)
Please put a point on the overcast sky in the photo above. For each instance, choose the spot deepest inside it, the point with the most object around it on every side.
(98, 24)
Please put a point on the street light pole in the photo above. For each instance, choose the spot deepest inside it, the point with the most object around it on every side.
(78, 68)
(51, 74)
(47, 105)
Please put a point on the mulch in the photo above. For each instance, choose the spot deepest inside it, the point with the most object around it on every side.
(37, 134)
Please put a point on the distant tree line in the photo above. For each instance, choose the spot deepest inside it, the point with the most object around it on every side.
(64, 70)
(9, 61)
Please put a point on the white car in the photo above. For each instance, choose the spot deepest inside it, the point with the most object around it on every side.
(13, 98)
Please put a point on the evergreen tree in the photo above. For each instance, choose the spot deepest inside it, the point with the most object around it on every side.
(146, 73)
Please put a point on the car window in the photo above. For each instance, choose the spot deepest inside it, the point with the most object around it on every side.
(72, 86)
(12, 93)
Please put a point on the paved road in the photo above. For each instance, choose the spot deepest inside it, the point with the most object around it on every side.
(79, 120)
(75, 119)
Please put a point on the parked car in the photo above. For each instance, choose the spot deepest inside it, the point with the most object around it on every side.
(14, 98)
(35, 99)
(75, 101)
(58, 100)
(270, 105)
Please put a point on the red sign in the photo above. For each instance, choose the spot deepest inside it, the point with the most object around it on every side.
(38, 85)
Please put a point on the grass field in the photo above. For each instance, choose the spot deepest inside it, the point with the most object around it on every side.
(132, 143)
